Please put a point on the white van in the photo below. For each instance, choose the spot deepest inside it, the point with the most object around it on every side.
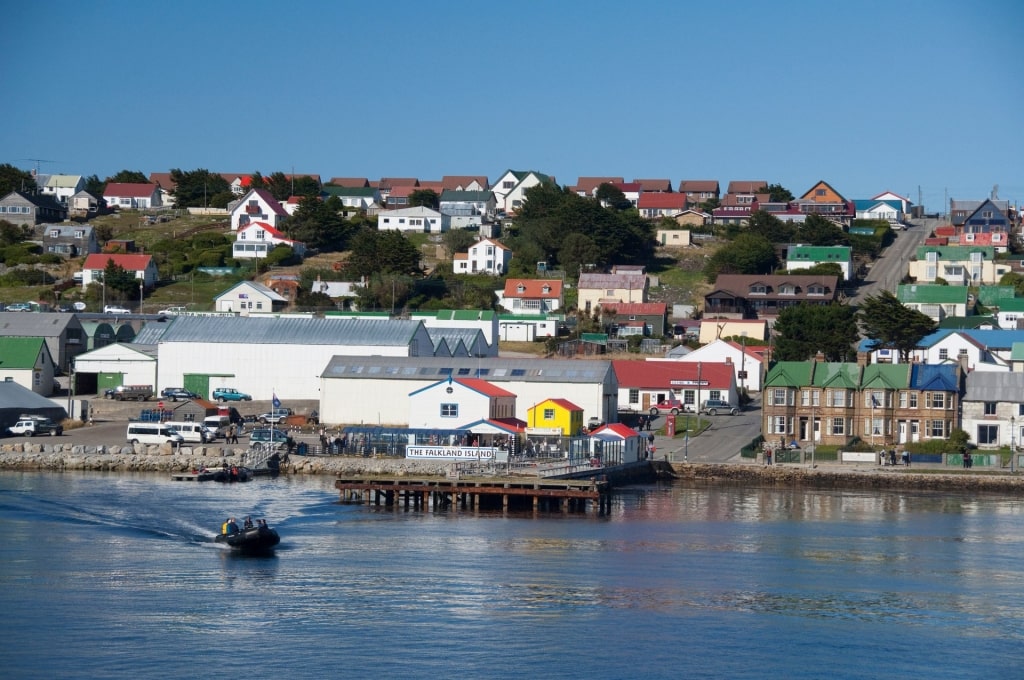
(217, 424)
(191, 431)
(153, 433)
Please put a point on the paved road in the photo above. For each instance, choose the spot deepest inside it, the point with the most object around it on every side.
(891, 266)
(719, 443)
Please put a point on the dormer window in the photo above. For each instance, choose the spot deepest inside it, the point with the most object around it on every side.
(759, 289)
(520, 289)
(54, 233)
(815, 289)
(787, 289)
(546, 289)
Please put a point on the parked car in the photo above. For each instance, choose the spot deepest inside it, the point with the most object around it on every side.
(673, 406)
(171, 311)
(132, 392)
(19, 307)
(230, 394)
(268, 435)
(32, 425)
(275, 416)
(713, 407)
(176, 393)
(114, 309)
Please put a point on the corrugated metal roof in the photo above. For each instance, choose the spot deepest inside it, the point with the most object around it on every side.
(994, 386)
(151, 333)
(493, 369)
(289, 331)
(41, 324)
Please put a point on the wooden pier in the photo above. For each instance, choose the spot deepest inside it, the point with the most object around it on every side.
(490, 494)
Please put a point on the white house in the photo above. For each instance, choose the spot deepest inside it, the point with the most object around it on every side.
(142, 266)
(257, 239)
(247, 297)
(874, 209)
(745, 360)
(483, 257)
(417, 219)
(805, 257)
(258, 205)
(453, 403)
(904, 203)
(992, 409)
(467, 209)
(1011, 313)
(510, 188)
(360, 198)
(132, 196)
(952, 346)
(28, 362)
(63, 187)
(531, 296)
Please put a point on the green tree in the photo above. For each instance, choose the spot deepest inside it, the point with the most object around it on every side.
(709, 205)
(15, 179)
(886, 320)
(427, 198)
(771, 227)
(612, 196)
(804, 329)
(819, 231)
(1013, 279)
(386, 252)
(95, 186)
(11, 233)
(385, 290)
(126, 177)
(119, 281)
(319, 225)
(778, 193)
(747, 254)
(194, 188)
(576, 251)
(457, 241)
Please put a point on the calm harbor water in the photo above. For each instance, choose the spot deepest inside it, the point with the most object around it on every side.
(114, 576)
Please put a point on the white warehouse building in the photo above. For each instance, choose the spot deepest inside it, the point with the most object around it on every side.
(365, 390)
(265, 356)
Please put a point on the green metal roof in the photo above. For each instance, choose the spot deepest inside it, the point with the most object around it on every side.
(1011, 305)
(1017, 351)
(451, 195)
(820, 253)
(993, 295)
(834, 374)
(789, 374)
(930, 293)
(886, 376)
(19, 352)
(955, 253)
(961, 322)
(350, 192)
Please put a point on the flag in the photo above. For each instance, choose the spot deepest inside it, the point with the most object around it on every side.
(276, 402)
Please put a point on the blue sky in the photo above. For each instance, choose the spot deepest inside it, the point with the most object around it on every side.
(866, 95)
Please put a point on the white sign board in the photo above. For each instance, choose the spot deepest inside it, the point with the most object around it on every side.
(451, 452)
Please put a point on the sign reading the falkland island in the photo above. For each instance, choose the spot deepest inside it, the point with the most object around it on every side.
(451, 452)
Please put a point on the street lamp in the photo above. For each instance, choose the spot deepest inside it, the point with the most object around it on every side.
(141, 282)
(1013, 421)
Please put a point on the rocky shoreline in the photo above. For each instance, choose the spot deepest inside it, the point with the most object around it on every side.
(164, 458)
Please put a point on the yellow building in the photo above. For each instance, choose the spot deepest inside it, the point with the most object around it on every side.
(556, 413)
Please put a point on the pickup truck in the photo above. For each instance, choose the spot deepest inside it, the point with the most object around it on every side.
(32, 425)
(230, 394)
(673, 406)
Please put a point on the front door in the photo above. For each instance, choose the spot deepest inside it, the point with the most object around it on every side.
(901, 429)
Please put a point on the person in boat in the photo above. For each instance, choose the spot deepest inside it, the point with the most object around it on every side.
(248, 522)
(224, 527)
(232, 526)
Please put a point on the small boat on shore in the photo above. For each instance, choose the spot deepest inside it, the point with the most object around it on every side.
(259, 539)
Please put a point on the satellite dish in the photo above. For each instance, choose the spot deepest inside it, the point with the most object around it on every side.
(79, 306)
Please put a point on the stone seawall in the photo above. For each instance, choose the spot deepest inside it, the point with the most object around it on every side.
(164, 458)
(856, 478)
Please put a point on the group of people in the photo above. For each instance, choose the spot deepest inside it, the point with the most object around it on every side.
(889, 457)
(230, 526)
(644, 423)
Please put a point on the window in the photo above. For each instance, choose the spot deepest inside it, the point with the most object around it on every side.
(913, 400)
(778, 424)
(634, 396)
(837, 398)
(549, 414)
(778, 396)
(508, 185)
(449, 410)
(936, 428)
(838, 426)
(55, 233)
(875, 399)
(937, 400)
(759, 289)
(819, 192)
(943, 354)
(990, 408)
